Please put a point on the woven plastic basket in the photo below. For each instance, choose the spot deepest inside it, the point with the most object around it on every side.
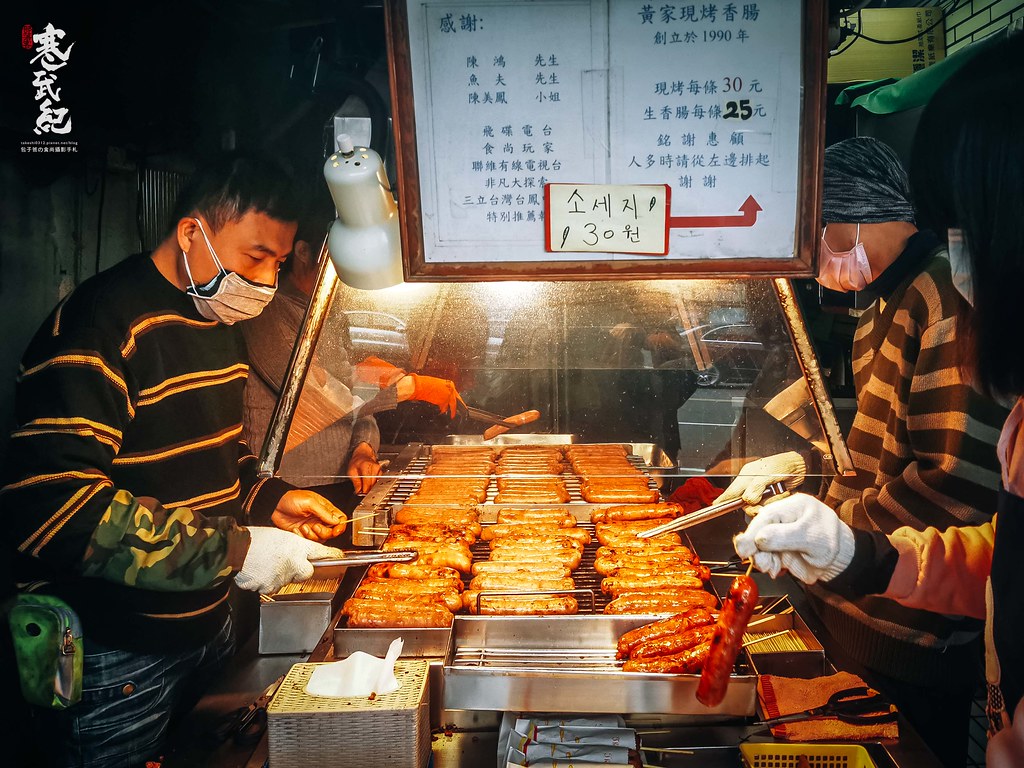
(390, 731)
(770, 755)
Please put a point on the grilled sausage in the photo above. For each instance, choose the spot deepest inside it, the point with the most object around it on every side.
(526, 605)
(650, 549)
(380, 590)
(460, 560)
(446, 451)
(617, 585)
(654, 571)
(652, 556)
(436, 531)
(635, 512)
(399, 584)
(727, 640)
(670, 645)
(543, 568)
(530, 530)
(696, 617)
(559, 517)
(688, 661)
(410, 571)
(527, 496)
(610, 495)
(537, 542)
(513, 582)
(454, 517)
(376, 613)
(659, 601)
(569, 558)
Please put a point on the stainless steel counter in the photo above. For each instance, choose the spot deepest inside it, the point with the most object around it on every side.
(469, 739)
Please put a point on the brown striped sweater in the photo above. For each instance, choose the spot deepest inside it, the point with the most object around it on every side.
(128, 478)
(923, 442)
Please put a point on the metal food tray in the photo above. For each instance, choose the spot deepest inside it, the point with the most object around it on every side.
(409, 467)
(567, 664)
(656, 462)
(433, 642)
(407, 470)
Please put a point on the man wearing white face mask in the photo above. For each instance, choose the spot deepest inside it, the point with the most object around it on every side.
(923, 440)
(228, 297)
(129, 492)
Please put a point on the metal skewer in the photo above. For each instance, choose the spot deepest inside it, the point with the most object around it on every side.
(771, 636)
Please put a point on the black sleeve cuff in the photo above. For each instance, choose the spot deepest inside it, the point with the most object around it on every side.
(265, 497)
(870, 571)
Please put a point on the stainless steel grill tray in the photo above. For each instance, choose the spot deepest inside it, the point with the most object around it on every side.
(567, 664)
(434, 642)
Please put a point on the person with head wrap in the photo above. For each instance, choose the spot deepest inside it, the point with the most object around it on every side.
(869, 221)
(923, 442)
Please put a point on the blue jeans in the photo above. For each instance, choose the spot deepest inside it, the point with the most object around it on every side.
(128, 702)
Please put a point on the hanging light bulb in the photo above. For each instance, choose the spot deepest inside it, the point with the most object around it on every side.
(364, 241)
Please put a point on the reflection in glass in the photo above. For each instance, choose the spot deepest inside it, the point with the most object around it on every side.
(703, 369)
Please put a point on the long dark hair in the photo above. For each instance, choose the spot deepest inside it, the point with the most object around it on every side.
(981, 150)
(988, 193)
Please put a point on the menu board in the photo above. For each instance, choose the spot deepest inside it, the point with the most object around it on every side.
(508, 96)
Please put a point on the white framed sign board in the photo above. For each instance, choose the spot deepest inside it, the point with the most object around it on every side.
(717, 103)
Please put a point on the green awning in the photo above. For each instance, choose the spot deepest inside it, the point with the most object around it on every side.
(883, 97)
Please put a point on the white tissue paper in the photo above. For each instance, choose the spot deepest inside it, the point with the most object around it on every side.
(359, 675)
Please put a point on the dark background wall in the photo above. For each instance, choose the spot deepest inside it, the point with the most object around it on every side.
(155, 88)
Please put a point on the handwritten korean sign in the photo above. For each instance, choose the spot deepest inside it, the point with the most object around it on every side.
(599, 218)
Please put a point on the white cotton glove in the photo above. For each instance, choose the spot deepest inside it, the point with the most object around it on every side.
(788, 468)
(798, 534)
(277, 557)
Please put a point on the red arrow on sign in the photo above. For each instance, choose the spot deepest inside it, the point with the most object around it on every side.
(747, 217)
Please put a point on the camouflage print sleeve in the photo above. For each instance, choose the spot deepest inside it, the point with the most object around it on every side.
(172, 550)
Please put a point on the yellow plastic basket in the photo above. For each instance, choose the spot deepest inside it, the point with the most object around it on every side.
(772, 755)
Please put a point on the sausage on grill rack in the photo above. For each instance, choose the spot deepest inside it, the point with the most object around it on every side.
(670, 645)
(635, 512)
(688, 661)
(526, 605)
(696, 617)
(661, 601)
(377, 613)
(618, 585)
(450, 598)
(506, 582)
(410, 571)
(542, 568)
(519, 530)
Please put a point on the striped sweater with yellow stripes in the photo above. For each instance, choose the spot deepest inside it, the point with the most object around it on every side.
(128, 478)
(923, 443)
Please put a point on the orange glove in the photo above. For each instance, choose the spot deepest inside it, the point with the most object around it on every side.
(373, 370)
(440, 392)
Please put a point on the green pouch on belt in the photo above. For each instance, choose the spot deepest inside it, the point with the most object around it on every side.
(48, 645)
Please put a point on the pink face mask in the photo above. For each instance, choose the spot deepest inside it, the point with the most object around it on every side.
(844, 270)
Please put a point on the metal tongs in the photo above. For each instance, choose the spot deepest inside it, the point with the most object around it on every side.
(367, 558)
(500, 424)
(708, 513)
